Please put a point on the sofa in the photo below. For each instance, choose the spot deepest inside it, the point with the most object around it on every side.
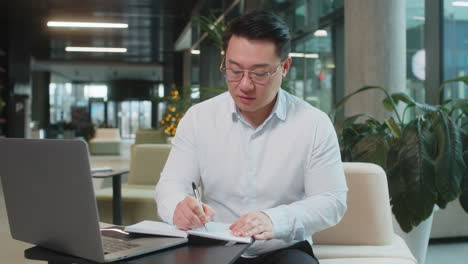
(146, 164)
(106, 141)
(365, 234)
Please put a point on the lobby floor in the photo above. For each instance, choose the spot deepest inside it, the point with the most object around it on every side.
(11, 251)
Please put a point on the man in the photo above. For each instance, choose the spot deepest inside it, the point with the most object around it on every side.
(269, 163)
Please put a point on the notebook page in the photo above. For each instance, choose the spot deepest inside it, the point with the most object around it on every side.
(219, 231)
(155, 228)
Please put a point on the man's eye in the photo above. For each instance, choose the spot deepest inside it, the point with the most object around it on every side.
(237, 72)
(260, 74)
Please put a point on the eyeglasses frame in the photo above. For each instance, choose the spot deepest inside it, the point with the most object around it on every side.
(270, 75)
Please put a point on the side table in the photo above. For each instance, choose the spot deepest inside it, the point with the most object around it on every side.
(116, 191)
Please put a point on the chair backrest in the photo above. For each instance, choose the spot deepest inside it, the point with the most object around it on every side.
(147, 162)
(107, 133)
(368, 220)
(149, 136)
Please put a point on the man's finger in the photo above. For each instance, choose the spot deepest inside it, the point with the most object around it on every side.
(208, 211)
(263, 236)
(192, 219)
(239, 222)
(194, 207)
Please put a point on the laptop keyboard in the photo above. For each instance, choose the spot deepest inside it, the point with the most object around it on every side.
(113, 245)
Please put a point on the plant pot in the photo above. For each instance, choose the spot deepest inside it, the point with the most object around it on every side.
(417, 239)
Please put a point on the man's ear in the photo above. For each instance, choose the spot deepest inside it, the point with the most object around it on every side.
(286, 66)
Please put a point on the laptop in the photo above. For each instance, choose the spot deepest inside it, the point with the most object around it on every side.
(50, 202)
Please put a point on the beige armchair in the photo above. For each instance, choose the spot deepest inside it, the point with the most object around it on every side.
(146, 164)
(365, 234)
(106, 141)
(149, 136)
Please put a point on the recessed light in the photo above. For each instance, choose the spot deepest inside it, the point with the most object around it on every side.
(95, 49)
(320, 33)
(303, 55)
(85, 24)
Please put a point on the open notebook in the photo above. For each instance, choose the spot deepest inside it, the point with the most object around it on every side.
(216, 230)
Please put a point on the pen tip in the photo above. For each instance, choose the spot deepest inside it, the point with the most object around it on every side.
(193, 185)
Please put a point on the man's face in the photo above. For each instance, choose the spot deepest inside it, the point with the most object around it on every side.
(258, 56)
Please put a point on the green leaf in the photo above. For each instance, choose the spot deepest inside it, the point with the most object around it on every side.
(394, 128)
(426, 107)
(464, 195)
(463, 79)
(458, 79)
(460, 105)
(341, 103)
(449, 164)
(464, 200)
(397, 97)
(372, 148)
(213, 29)
(410, 172)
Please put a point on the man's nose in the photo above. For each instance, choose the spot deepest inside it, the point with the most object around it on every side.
(246, 83)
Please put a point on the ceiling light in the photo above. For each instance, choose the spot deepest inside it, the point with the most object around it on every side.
(320, 33)
(195, 51)
(460, 3)
(296, 54)
(85, 24)
(303, 55)
(311, 55)
(95, 49)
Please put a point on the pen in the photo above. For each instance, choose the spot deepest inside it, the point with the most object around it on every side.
(197, 195)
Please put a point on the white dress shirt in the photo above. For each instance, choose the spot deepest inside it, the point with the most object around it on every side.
(289, 167)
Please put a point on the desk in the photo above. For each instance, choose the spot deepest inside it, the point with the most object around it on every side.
(183, 254)
(116, 192)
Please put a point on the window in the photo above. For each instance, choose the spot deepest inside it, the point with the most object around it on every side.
(312, 72)
(455, 47)
(95, 91)
(134, 115)
(415, 51)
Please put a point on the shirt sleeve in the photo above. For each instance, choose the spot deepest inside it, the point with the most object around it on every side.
(325, 188)
(180, 170)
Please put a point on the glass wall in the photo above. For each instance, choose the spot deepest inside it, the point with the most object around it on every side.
(455, 47)
(312, 73)
(134, 115)
(415, 51)
(61, 99)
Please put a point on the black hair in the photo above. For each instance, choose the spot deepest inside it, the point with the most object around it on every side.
(260, 25)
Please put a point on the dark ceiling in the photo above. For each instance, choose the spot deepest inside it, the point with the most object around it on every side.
(153, 26)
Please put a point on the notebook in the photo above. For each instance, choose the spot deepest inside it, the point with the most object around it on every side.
(50, 202)
(214, 230)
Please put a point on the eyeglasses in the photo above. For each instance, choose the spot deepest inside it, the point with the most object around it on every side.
(236, 75)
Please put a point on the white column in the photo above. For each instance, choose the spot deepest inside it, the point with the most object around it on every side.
(375, 52)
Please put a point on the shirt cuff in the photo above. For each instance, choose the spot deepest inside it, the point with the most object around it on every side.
(279, 219)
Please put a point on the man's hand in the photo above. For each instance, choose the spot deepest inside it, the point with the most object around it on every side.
(256, 224)
(187, 214)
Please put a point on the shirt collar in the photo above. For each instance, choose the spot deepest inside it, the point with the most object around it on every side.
(280, 108)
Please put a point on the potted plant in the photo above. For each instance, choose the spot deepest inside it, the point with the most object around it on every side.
(424, 154)
(423, 150)
(213, 27)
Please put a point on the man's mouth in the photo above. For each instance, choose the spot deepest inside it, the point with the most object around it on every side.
(246, 99)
